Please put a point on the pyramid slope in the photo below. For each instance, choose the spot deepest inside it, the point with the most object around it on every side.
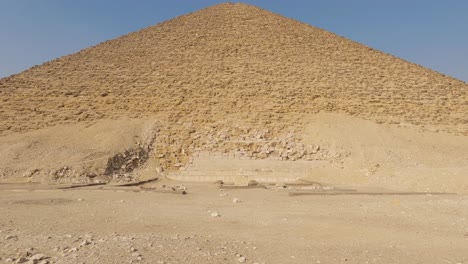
(230, 65)
(230, 58)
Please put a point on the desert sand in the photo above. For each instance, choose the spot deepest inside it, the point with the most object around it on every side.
(266, 226)
(233, 135)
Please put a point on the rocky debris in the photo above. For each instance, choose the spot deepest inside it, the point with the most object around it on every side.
(236, 200)
(241, 142)
(63, 172)
(121, 165)
(242, 259)
(257, 144)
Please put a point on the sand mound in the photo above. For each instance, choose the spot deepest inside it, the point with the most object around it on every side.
(108, 150)
(390, 156)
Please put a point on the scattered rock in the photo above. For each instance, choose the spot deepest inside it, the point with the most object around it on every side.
(241, 260)
(236, 200)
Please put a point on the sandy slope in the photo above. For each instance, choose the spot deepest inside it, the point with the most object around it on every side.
(76, 152)
(389, 156)
(352, 152)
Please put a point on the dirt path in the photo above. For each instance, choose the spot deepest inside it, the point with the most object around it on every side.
(266, 226)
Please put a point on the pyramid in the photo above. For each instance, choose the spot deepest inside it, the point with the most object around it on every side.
(229, 70)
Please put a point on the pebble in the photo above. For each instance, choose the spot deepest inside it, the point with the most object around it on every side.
(21, 260)
(241, 260)
(73, 250)
(37, 257)
(215, 214)
(29, 251)
(85, 242)
(236, 200)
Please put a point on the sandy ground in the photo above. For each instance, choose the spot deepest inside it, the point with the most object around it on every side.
(266, 226)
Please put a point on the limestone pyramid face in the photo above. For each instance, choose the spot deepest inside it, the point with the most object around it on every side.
(226, 72)
(229, 59)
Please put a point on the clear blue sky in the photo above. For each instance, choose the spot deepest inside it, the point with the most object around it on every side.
(433, 33)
